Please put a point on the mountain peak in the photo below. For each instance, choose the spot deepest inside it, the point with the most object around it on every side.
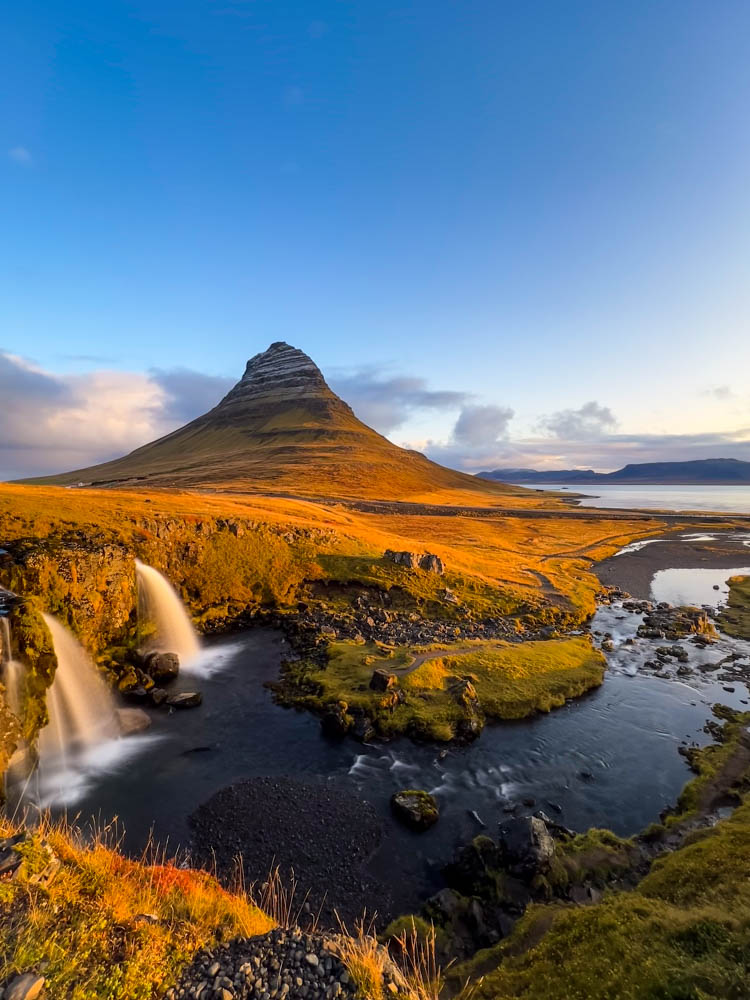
(283, 372)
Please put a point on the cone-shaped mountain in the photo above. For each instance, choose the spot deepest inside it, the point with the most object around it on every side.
(280, 428)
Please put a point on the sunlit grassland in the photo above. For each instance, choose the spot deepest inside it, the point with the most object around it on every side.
(527, 558)
(107, 926)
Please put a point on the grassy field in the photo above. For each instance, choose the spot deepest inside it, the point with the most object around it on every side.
(506, 681)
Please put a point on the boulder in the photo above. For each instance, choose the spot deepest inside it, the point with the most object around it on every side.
(416, 808)
(408, 559)
(132, 720)
(162, 667)
(27, 986)
(158, 696)
(432, 563)
(473, 871)
(185, 699)
(383, 680)
(526, 846)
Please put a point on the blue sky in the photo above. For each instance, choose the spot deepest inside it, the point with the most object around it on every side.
(535, 206)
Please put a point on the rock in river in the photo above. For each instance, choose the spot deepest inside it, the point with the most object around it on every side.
(132, 720)
(185, 699)
(163, 667)
(417, 809)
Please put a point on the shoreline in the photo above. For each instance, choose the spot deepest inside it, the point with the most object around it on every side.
(634, 571)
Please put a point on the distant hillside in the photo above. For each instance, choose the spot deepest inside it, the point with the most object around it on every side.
(281, 428)
(709, 471)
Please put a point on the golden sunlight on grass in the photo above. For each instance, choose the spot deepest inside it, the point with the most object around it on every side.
(101, 925)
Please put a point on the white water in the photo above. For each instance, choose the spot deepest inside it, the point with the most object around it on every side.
(80, 706)
(159, 605)
(12, 670)
(82, 736)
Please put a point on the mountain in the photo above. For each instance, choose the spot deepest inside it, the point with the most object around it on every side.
(280, 428)
(707, 471)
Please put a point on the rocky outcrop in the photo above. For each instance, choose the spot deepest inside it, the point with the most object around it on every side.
(412, 560)
(526, 846)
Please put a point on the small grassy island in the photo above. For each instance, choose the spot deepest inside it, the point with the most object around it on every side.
(442, 694)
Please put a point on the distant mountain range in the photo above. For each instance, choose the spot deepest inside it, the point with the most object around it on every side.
(708, 471)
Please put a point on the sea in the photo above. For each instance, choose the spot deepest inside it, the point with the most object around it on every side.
(727, 499)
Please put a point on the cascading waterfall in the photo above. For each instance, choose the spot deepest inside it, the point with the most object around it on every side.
(80, 706)
(12, 671)
(159, 605)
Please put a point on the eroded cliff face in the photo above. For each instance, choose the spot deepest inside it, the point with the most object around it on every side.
(222, 568)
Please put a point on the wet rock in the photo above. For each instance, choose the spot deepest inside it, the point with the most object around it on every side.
(526, 846)
(27, 986)
(185, 699)
(162, 667)
(474, 869)
(416, 808)
(158, 695)
(132, 720)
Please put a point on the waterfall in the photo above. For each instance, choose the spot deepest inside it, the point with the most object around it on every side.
(12, 669)
(80, 706)
(159, 605)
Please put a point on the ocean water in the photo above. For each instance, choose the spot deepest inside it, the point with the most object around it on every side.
(731, 499)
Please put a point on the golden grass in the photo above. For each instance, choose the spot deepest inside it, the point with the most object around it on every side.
(106, 926)
(511, 680)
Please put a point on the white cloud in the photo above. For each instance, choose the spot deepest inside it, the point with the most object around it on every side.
(589, 421)
(482, 425)
(20, 154)
(55, 423)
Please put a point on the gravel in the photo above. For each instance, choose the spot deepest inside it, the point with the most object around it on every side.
(280, 965)
(320, 830)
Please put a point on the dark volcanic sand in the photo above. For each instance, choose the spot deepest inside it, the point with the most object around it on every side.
(634, 571)
(321, 830)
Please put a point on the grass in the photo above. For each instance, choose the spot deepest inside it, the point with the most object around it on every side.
(106, 926)
(510, 680)
(735, 617)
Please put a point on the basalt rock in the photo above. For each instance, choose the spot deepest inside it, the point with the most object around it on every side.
(526, 846)
(185, 699)
(162, 667)
(383, 680)
(416, 808)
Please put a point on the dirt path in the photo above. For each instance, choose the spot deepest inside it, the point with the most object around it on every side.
(432, 654)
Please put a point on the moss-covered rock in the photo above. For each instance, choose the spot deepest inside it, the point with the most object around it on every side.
(416, 808)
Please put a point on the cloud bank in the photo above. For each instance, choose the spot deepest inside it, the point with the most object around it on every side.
(55, 423)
